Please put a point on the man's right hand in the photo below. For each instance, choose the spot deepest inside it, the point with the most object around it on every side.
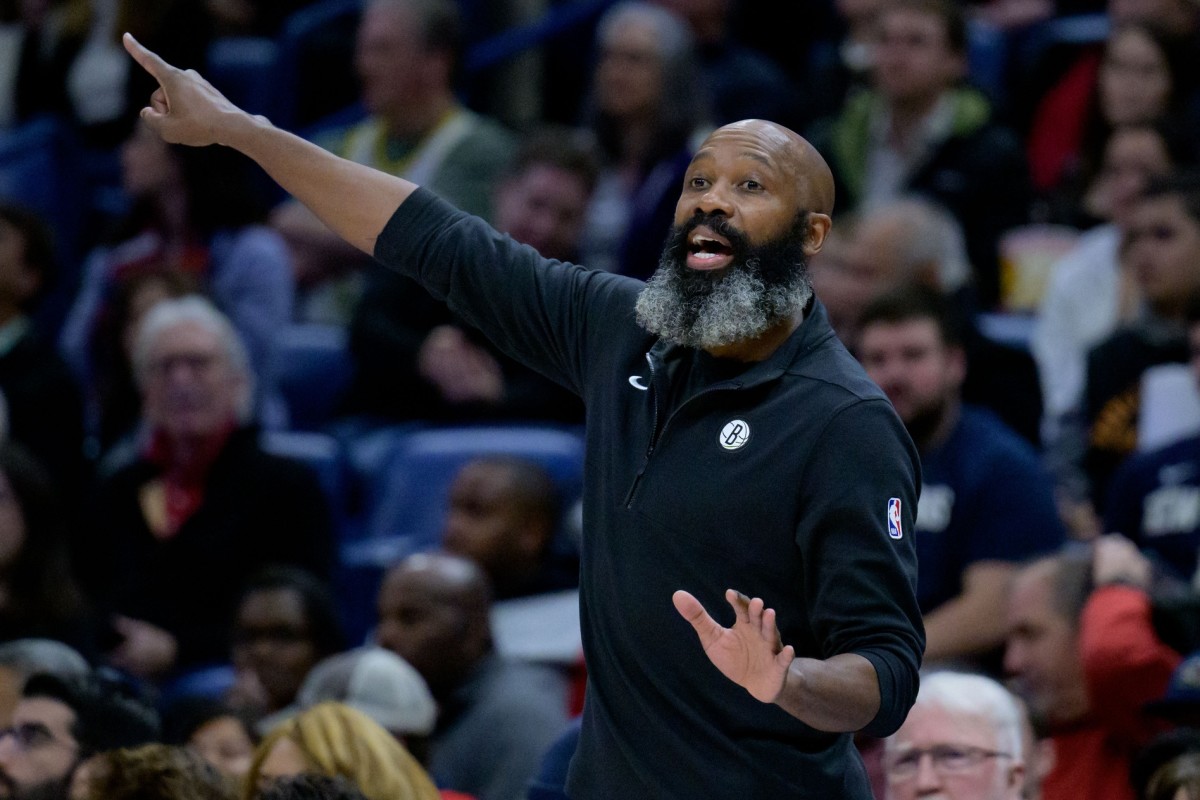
(185, 108)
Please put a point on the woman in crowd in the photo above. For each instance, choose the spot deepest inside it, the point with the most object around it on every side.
(1145, 74)
(334, 739)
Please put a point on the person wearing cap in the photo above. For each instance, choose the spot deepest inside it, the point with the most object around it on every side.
(380, 684)
(1083, 654)
(21, 658)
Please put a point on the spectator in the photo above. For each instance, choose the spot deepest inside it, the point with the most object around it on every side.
(914, 240)
(214, 730)
(1142, 72)
(645, 108)
(154, 772)
(1083, 654)
(985, 502)
(39, 595)
(115, 404)
(177, 533)
(504, 513)
(335, 740)
(1154, 497)
(408, 57)
(497, 716)
(918, 130)
(1162, 245)
(21, 658)
(45, 407)
(286, 622)
(62, 722)
(193, 213)
(456, 374)
(970, 728)
(1088, 295)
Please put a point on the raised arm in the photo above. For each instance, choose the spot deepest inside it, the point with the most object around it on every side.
(354, 201)
(838, 694)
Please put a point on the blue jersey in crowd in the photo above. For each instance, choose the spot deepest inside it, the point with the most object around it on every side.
(985, 497)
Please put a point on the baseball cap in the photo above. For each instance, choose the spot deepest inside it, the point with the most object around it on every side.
(378, 683)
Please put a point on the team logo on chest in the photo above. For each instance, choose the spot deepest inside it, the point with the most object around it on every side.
(735, 434)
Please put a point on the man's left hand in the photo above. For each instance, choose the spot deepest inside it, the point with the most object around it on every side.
(750, 653)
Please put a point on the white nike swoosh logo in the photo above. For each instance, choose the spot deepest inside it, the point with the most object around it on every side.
(635, 382)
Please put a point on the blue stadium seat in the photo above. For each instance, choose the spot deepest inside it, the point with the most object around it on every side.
(314, 370)
(412, 501)
(320, 451)
(406, 495)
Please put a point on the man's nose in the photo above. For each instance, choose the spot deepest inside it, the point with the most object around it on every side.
(715, 200)
(928, 778)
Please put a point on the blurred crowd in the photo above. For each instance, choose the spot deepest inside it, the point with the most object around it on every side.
(206, 395)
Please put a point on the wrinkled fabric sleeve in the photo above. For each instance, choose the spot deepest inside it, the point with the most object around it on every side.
(534, 309)
(860, 569)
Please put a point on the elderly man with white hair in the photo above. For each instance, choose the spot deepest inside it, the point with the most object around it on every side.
(963, 740)
(177, 532)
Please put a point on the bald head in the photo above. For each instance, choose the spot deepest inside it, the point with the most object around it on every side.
(794, 154)
(446, 578)
(433, 613)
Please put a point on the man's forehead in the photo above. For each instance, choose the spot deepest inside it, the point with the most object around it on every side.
(760, 141)
(54, 714)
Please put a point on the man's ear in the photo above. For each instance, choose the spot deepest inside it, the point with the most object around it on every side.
(818, 228)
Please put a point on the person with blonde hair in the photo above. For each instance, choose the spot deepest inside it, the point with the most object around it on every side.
(335, 739)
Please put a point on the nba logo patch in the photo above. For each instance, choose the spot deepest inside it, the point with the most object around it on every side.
(894, 529)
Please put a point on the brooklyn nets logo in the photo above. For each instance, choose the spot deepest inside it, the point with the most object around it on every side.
(734, 434)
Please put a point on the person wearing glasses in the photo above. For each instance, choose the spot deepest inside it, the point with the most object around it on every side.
(200, 506)
(962, 741)
(60, 723)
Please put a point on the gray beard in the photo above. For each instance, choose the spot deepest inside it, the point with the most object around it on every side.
(703, 311)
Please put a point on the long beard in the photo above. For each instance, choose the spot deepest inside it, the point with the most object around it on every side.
(763, 285)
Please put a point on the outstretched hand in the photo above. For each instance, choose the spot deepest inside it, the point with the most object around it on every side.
(750, 653)
(185, 108)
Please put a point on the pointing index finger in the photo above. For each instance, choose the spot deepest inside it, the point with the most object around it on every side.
(148, 60)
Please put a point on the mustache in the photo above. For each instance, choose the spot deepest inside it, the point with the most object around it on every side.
(718, 224)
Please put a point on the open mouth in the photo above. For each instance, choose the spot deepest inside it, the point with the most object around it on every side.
(707, 250)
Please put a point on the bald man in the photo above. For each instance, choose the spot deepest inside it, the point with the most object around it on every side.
(434, 613)
(732, 442)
